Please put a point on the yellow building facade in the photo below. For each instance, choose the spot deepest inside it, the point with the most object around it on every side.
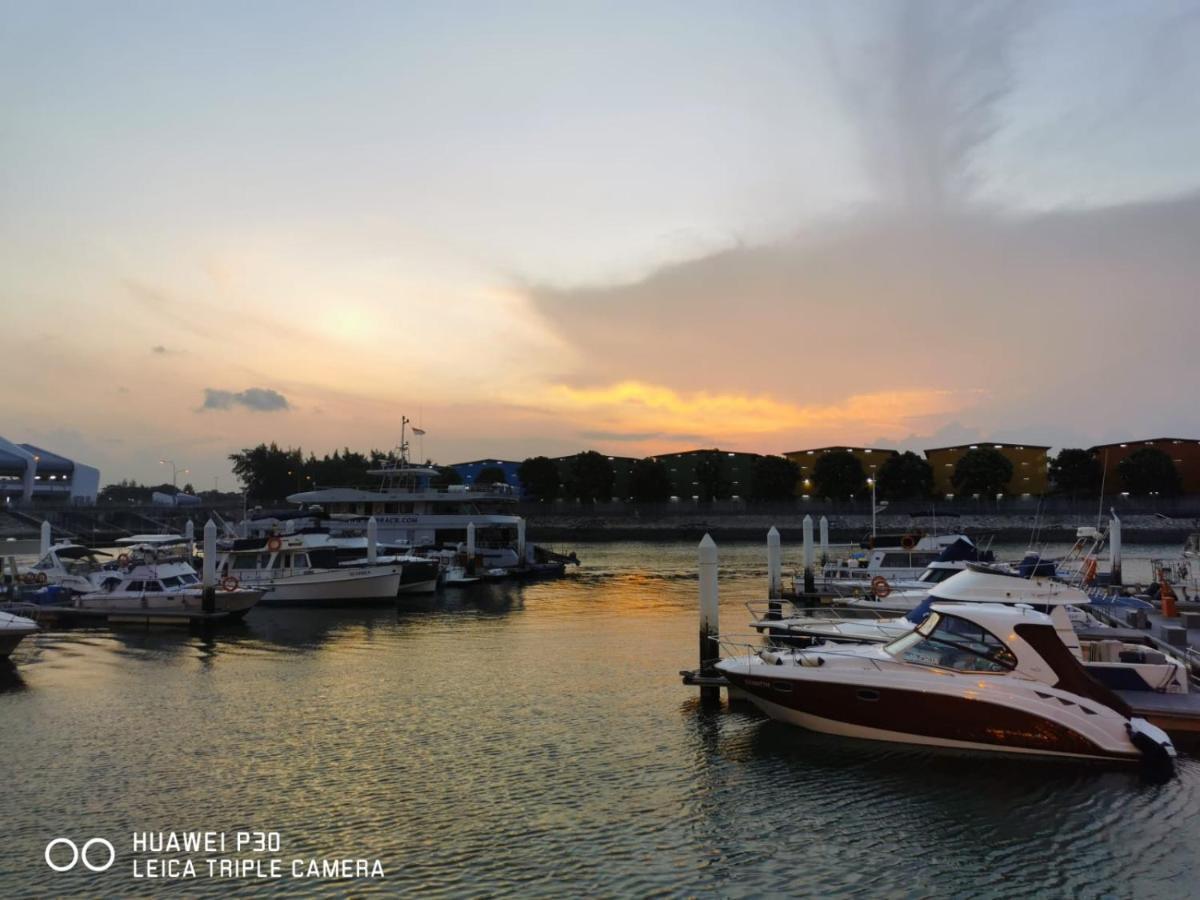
(1029, 462)
(870, 457)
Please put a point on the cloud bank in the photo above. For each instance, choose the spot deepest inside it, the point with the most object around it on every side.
(255, 399)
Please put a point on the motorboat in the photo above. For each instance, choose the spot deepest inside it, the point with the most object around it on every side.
(304, 568)
(972, 676)
(894, 560)
(13, 630)
(418, 574)
(1120, 665)
(67, 565)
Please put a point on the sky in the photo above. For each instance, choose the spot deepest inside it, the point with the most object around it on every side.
(632, 227)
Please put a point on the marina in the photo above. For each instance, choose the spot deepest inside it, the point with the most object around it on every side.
(642, 788)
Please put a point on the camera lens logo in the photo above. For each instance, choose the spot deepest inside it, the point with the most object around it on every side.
(85, 854)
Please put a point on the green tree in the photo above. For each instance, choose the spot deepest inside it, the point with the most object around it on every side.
(712, 481)
(984, 471)
(592, 477)
(838, 475)
(268, 473)
(446, 476)
(773, 478)
(188, 489)
(539, 478)
(491, 475)
(1075, 472)
(650, 481)
(1149, 471)
(904, 476)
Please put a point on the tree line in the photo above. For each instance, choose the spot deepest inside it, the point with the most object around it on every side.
(270, 473)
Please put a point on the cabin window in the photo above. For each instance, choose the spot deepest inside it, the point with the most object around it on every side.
(277, 562)
(172, 581)
(134, 586)
(153, 585)
(245, 562)
(300, 560)
(948, 642)
(389, 508)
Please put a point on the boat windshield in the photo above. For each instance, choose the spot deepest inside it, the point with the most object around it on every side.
(948, 642)
(934, 576)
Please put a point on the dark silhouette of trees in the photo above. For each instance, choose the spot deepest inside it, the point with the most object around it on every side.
(540, 479)
(904, 476)
(712, 482)
(773, 478)
(1149, 471)
(838, 475)
(1075, 472)
(592, 477)
(267, 472)
(491, 475)
(984, 471)
(650, 482)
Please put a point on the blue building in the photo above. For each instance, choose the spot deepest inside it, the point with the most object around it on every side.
(470, 470)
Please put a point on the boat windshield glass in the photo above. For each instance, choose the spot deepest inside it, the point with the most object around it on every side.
(934, 576)
(949, 642)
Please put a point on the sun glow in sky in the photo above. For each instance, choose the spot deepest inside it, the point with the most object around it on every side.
(541, 227)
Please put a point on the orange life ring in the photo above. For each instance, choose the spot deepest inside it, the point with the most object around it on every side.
(274, 544)
(880, 587)
(40, 578)
(123, 560)
(229, 583)
(908, 541)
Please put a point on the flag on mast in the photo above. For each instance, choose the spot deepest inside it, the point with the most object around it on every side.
(418, 431)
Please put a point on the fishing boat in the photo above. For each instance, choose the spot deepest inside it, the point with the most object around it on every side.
(972, 676)
(13, 630)
(303, 569)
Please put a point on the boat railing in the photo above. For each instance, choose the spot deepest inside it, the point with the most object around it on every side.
(769, 610)
(738, 645)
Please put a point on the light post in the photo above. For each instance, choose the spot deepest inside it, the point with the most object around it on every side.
(871, 482)
(174, 471)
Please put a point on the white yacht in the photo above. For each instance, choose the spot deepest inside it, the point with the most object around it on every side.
(1117, 664)
(67, 565)
(304, 568)
(894, 559)
(13, 630)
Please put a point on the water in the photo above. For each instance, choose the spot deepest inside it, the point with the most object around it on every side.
(537, 741)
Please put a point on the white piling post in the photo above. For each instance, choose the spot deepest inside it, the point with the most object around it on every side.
(710, 629)
(774, 565)
(824, 532)
(44, 542)
(809, 559)
(1114, 548)
(189, 535)
(209, 572)
(372, 540)
(521, 541)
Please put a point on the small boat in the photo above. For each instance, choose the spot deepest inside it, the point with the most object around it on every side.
(13, 630)
(972, 676)
(456, 576)
(304, 568)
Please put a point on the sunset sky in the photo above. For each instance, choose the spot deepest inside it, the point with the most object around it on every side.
(633, 227)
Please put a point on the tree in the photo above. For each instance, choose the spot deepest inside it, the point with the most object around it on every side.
(539, 478)
(773, 478)
(984, 471)
(491, 475)
(446, 476)
(650, 481)
(904, 476)
(269, 473)
(1149, 471)
(592, 477)
(188, 489)
(1075, 472)
(838, 475)
(711, 481)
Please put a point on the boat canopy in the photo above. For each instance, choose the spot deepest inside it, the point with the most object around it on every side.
(981, 584)
(75, 551)
(962, 550)
(157, 540)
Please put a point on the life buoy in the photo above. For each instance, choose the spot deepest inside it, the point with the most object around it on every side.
(274, 544)
(908, 541)
(880, 587)
(229, 583)
(40, 578)
(123, 560)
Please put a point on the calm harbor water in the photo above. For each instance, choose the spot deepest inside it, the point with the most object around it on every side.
(536, 740)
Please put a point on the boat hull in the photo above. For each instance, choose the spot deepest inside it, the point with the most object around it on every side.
(920, 717)
(321, 588)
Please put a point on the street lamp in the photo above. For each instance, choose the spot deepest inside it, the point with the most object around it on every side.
(871, 482)
(175, 470)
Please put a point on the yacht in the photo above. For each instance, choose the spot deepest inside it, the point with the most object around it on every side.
(889, 560)
(418, 575)
(972, 676)
(1120, 665)
(67, 565)
(13, 630)
(304, 568)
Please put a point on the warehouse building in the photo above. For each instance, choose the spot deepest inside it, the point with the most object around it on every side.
(469, 471)
(33, 474)
(1184, 452)
(1029, 462)
(871, 458)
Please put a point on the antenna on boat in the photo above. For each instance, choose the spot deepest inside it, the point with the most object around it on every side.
(403, 441)
(1103, 476)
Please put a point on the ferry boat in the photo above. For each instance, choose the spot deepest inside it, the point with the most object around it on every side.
(972, 676)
